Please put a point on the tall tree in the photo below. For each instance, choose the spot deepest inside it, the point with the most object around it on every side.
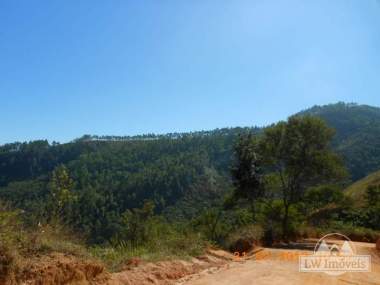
(298, 152)
(247, 174)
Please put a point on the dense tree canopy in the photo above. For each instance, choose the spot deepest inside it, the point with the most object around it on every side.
(182, 174)
(298, 152)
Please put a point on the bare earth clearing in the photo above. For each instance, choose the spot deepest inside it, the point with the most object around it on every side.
(217, 267)
(275, 269)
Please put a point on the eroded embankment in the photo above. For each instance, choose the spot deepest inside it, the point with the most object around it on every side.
(65, 269)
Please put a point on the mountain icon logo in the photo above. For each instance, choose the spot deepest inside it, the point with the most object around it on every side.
(335, 254)
(334, 249)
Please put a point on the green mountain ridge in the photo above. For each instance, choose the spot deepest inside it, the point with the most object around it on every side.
(357, 136)
(181, 173)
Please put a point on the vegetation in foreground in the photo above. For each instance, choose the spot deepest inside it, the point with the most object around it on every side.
(174, 198)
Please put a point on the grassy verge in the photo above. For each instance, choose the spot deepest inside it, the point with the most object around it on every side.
(173, 247)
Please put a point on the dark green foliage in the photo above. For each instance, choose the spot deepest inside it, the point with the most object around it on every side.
(319, 197)
(26, 161)
(210, 223)
(101, 180)
(217, 224)
(373, 196)
(135, 223)
(357, 136)
(298, 152)
(366, 215)
(185, 175)
(372, 212)
(272, 217)
(247, 173)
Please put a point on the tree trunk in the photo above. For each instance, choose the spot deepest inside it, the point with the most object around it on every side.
(216, 221)
(285, 221)
(253, 209)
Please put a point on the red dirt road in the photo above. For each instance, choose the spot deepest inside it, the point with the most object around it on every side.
(279, 266)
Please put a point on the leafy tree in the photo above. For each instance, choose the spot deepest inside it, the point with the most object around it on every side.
(211, 224)
(298, 152)
(135, 223)
(61, 190)
(247, 172)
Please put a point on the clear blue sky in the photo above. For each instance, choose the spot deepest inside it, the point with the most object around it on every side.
(75, 67)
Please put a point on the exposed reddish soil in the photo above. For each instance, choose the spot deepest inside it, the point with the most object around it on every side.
(59, 269)
(168, 272)
(215, 267)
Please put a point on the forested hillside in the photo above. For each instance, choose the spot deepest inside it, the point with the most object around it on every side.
(109, 177)
(182, 174)
(357, 136)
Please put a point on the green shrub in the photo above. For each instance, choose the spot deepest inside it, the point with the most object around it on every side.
(355, 233)
(148, 237)
(169, 245)
(245, 239)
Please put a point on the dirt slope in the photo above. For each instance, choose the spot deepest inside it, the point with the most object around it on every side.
(61, 269)
(168, 272)
(57, 268)
(267, 266)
